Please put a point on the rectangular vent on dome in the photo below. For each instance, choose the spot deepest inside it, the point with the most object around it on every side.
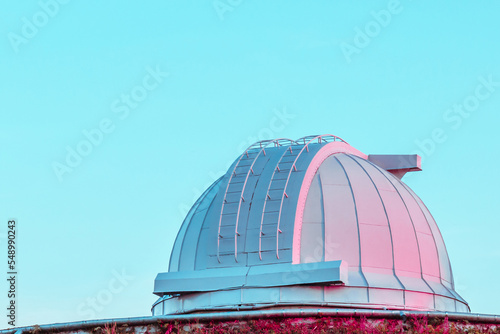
(397, 164)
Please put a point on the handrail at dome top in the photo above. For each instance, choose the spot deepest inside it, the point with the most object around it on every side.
(261, 145)
(280, 141)
(326, 138)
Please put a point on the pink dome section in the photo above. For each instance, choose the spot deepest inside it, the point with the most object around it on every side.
(354, 210)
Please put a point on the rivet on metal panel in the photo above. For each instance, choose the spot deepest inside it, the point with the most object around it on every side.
(236, 247)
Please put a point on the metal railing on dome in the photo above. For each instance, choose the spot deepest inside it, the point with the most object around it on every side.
(304, 143)
(258, 148)
(321, 138)
(244, 168)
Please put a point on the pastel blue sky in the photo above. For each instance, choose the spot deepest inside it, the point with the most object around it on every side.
(261, 69)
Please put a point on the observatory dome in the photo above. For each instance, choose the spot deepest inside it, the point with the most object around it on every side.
(311, 222)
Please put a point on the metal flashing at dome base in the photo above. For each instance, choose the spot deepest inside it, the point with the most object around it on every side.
(311, 222)
(147, 324)
(257, 276)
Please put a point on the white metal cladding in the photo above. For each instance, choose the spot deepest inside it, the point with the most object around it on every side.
(315, 200)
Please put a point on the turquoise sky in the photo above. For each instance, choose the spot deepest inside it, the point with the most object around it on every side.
(116, 115)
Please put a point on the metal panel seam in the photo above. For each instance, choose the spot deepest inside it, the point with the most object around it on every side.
(388, 222)
(194, 208)
(413, 226)
(357, 222)
(201, 229)
(433, 237)
(322, 202)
